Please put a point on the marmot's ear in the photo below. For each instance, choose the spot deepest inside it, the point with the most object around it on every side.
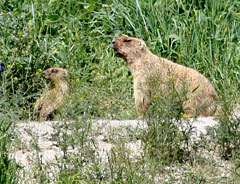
(143, 46)
(65, 73)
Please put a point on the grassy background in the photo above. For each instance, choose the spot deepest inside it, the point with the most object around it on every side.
(77, 35)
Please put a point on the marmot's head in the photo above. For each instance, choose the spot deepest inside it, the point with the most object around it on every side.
(56, 74)
(129, 47)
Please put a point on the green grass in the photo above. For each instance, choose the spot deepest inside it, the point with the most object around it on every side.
(8, 166)
(77, 35)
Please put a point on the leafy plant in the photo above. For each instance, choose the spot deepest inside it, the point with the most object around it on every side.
(167, 137)
(226, 134)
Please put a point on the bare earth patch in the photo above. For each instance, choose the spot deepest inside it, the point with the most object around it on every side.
(37, 144)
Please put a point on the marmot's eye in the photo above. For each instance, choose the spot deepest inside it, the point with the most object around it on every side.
(54, 71)
(127, 40)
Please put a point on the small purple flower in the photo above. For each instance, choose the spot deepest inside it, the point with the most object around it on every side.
(1, 68)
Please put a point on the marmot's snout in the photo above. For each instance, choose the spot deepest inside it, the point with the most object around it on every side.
(44, 73)
(113, 42)
(115, 48)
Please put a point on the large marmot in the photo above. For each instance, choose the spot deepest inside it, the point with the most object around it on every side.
(146, 67)
(55, 95)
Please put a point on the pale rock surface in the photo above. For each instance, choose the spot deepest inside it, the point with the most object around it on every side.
(41, 132)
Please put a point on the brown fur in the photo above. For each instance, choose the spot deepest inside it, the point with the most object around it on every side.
(145, 66)
(55, 96)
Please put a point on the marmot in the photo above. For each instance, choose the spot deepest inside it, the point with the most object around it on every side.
(146, 67)
(55, 95)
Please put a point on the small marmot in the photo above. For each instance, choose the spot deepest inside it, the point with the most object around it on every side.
(55, 95)
(145, 66)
